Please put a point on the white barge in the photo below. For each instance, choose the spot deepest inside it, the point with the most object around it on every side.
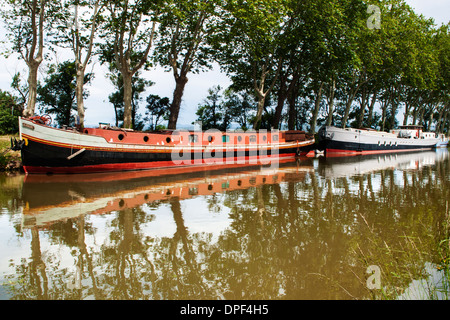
(337, 141)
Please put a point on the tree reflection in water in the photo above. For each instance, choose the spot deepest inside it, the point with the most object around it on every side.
(307, 235)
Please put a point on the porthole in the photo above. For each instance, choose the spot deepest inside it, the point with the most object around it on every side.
(168, 140)
(210, 187)
(210, 138)
(252, 138)
(145, 138)
(86, 131)
(121, 136)
(275, 138)
(239, 138)
(264, 138)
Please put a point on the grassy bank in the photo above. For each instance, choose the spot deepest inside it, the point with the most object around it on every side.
(9, 160)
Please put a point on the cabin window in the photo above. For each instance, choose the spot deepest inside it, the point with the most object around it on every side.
(193, 138)
(225, 185)
(275, 137)
(210, 138)
(252, 138)
(239, 138)
(239, 183)
(264, 138)
(121, 136)
(225, 138)
(168, 140)
(193, 191)
(210, 187)
(145, 138)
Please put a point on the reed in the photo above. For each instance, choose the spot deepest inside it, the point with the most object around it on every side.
(413, 267)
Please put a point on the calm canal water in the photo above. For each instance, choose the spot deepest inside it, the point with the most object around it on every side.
(335, 228)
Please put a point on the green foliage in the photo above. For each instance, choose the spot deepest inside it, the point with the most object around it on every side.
(57, 95)
(139, 85)
(157, 109)
(9, 113)
(280, 52)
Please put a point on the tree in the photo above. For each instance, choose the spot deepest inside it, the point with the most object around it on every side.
(157, 108)
(210, 113)
(184, 43)
(58, 94)
(138, 86)
(129, 31)
(238, 105)
(27, 23)
(10, 109)
(249, 46)
(79, 43)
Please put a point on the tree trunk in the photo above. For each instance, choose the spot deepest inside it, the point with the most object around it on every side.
(282, 94)
(430, 122)
(32, 89)
(176, 101)
(33, 61)
(260, 108)
(362, 109)
(371, 107)
(348, 105)
(127, 97)
(439, 121)
(405, 117)
(292, 120)
(316, 110)
(384, 105)
(331, 103)
(79, 93)
(356, 83)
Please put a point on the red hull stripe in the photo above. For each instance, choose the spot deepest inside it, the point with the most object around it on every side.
(355, 152)
(110, 167)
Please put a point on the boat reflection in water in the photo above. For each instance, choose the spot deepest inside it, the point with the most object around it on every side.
(307, 230)
(347, 166)
(52, 198)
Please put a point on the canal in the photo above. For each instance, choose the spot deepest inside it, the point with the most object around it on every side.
(364, 227)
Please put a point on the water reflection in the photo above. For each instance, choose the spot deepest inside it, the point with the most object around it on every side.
(308, 230)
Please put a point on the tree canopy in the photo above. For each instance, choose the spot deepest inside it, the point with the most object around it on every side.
(292, 64)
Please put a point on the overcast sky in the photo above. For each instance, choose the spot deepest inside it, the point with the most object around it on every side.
(100, 110)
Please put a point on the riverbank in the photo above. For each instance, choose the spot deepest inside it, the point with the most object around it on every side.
(10, 161)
